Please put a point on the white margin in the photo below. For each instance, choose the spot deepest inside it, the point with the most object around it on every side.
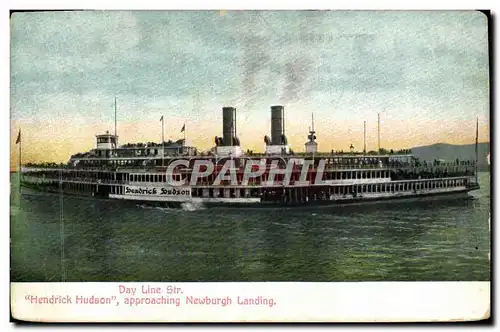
(352, 4)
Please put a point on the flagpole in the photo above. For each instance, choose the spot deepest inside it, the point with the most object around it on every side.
(20, 158)
(477, 137)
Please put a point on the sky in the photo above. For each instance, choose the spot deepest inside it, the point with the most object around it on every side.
(425, 72)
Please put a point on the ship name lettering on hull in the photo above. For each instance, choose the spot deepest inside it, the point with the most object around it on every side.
(157, 191)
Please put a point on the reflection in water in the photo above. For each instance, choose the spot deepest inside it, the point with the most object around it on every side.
(106, 240)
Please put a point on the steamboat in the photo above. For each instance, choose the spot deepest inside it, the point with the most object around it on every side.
(174, 173)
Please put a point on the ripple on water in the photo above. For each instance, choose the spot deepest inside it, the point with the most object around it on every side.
(393, 242)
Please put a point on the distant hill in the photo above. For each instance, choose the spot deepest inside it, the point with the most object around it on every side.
(451, 152)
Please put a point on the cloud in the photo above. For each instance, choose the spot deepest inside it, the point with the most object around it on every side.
(184, 64)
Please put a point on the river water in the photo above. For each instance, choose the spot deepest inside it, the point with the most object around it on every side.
(68, 238)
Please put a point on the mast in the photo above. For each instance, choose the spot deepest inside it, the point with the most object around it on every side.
(162, 143)
(283, 122)
(378, 130)
(115, 121)
(312, 137)
(364, 137)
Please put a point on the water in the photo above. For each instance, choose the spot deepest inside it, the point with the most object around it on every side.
(107, 240)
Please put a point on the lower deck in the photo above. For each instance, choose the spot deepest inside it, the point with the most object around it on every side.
(283, 195)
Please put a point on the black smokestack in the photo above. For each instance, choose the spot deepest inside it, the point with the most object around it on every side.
(228, 125)
(277, 114)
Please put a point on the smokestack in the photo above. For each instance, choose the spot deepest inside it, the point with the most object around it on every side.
(277, 124)
(228, 125)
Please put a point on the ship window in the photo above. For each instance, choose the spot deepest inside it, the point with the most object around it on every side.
(364, 175)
